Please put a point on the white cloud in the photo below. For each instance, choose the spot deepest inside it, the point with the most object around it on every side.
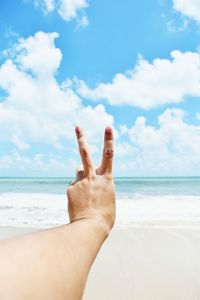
(149, 85)
(67, 9)
(123, 149)
(83, 22)
(18, 163)
(189, 8)
(171, 148)
(173, 27)
(47, 5)
(38, 54)
(19, 143)
(37, 108)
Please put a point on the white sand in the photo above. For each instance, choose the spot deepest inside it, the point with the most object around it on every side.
(147, 264)
(143, 264)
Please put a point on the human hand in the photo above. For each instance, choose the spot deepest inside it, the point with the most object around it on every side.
(92, 195)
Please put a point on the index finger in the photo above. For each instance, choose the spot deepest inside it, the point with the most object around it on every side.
(108, 151)
(84, 152)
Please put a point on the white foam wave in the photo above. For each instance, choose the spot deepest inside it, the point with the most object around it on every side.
(43, 210)
(168, 210)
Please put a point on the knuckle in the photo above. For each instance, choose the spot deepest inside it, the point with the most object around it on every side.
(108, 153)
(109, 144)
(108, 176)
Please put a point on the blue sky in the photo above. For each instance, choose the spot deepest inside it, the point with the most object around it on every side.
(134, 65)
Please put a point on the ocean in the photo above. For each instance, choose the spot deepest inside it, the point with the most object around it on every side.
(42, 203)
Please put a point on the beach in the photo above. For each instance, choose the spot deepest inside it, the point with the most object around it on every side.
(147, 264)
(153, 252)
(142, 263)
(100, 127)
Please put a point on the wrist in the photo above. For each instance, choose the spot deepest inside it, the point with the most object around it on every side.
(94, 226)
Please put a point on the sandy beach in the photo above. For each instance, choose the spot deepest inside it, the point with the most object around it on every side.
(142, 263)
(147, 264)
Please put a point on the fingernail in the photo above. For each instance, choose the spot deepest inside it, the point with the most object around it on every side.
(108, 130)
(78, 129)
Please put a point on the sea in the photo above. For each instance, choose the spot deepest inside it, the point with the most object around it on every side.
(157, 201)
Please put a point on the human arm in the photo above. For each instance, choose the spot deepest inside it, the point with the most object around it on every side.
(54, 263)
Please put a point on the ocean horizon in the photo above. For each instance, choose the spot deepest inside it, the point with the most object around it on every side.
(141, 201)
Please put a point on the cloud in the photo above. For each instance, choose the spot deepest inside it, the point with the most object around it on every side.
(18, 163)
(82, 22)
(47, 5)
(36, 108)
(150, 85)
(173, 27)
(170, 148)
(20, 144)
(38, 54)
(190, 8)
(67, 9)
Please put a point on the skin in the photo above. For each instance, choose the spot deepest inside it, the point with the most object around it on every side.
(54, 264)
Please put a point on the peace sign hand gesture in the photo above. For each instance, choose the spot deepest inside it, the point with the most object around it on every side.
(92, 195)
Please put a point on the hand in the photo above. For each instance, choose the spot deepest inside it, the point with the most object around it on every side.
(92, 195)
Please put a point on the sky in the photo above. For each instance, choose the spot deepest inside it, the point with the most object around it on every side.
(132, 65)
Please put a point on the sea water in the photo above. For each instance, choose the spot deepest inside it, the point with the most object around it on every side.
(42, 202)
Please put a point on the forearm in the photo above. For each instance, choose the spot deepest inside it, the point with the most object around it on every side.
(53, 264)
(50, 264)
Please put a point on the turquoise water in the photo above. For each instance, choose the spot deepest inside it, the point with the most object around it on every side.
(126, 187)
(42, 202)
